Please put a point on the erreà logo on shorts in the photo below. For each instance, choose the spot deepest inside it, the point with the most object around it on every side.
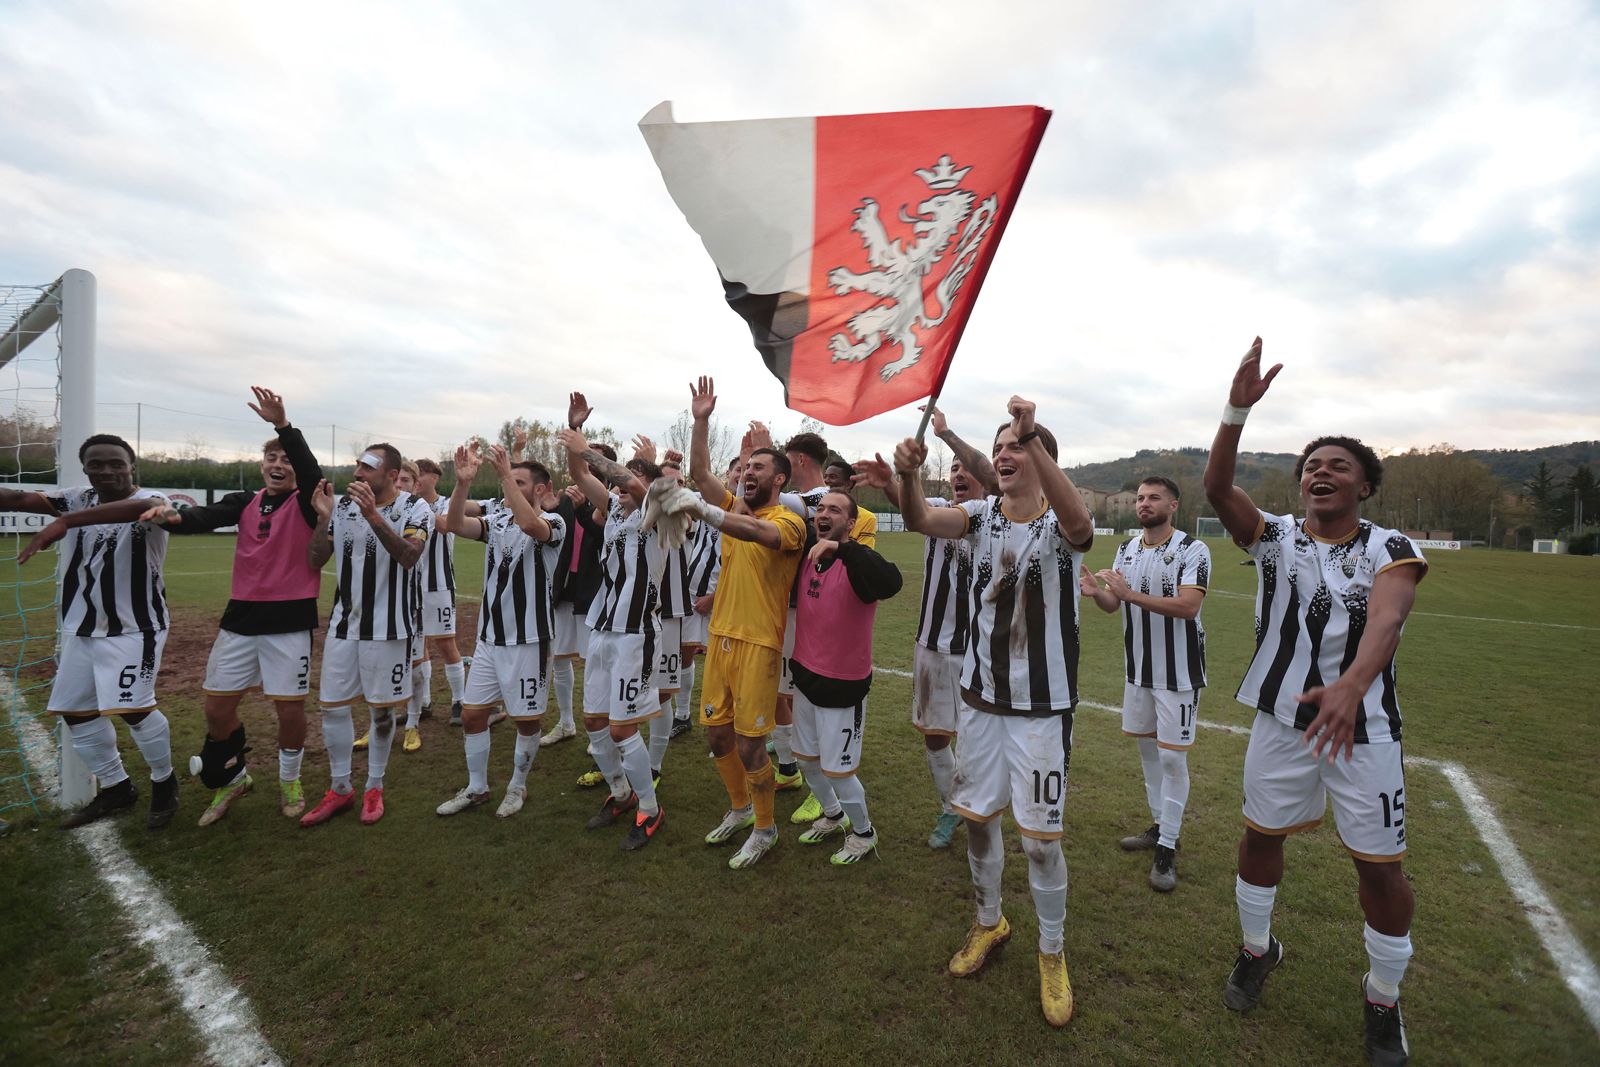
(1053, 815)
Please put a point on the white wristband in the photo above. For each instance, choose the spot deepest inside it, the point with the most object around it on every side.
(714, 515)
(1233, 416)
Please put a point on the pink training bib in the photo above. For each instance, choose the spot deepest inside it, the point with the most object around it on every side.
(269, 562)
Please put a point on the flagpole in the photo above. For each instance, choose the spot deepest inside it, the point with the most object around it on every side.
(927, 417)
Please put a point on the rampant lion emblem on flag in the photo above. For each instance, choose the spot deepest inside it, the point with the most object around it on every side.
(944, 217)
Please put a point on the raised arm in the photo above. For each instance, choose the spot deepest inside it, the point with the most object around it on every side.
(1239, 514)
(976, 463)
(307, 471)
(405, 549)
(587, 467)
(702, 402)
(1072, 514)
(457, 518)
(523, 513)
(320, 549)
(877, 473)
(788, 532)
(935, 522)
(1393, 592)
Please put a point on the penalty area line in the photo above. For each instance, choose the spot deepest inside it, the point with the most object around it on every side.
(1577, 970)
(218, 1009)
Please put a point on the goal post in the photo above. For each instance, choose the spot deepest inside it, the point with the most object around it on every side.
(56, 379)
(1209, 526)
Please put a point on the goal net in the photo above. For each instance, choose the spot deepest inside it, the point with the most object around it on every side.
(46, 407)
(1209, 526)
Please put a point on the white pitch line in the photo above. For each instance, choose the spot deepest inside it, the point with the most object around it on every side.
(1444, 615)
(219, 1011)
(1577, 970)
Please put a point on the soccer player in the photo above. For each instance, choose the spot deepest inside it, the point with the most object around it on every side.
(266, 631)
(807, 453)
(839, 477)
(113, 625)
(705, 570)
(619, 688)
(761, 545)
(512, 657)
(1159, 579)
(944, 619)
(578, 578)
(375, 534)
(1332, 595)
(840, 590)
(438, 576)
(1019, 679)
(678, 637)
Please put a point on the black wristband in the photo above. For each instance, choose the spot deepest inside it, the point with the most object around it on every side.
(1029, 436)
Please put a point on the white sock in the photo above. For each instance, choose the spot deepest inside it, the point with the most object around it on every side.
(339, 738)
(660, 734)
(822, 786)
(379, 747)
(986, 855)
(1387, 957)
(154, 738)
(477, 746)
(455, 675)
(1174, 794)
(522, 760)
(636, 765)
(1150, 758)
(783, 743)
(426, 670)
(683, 703)
(853, 799)
(942, 765)
(609, 760)
(562, 676)
(414, 708)
(95, 742)
(289, 763)
(1255, 913)
(1047, 877)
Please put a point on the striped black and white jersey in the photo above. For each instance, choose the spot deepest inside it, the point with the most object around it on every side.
(518, 580)
(437, 568)
(705, 560)
(1311, 609)
(676, 599)
(372, 599)
(946, 617)
(1022, 656)
(631, 564)
(1162, 652)
(111, 581)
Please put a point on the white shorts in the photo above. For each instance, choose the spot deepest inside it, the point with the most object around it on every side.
(697, 631)
(1165, 714)
(517, 676)
(830, 735)
(378, 672)
(785, 678)
(1015, 761)
(277, 664)
(669, 662)
(1286, 789)
(571, 636)
(936, 691)
(439, 614)
(619, 677)
(107, 675)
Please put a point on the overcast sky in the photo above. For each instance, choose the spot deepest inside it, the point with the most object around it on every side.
(421, 219)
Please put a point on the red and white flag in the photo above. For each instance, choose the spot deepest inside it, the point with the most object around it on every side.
(853, 245)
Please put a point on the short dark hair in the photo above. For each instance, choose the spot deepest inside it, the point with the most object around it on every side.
(272, 444)
(1046, 438)
(644, 469)
(428, 466)
(1371, 465)
(855, 509)
(780, 462)
(604, 449)
(808, 444)
(391, 455)
(1166, 483)
(107, 439)
(837, 461)
(541, 473)
(732, 463)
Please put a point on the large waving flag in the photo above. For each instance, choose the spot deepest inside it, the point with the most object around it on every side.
(853, 245)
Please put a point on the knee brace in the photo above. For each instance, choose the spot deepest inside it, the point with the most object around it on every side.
(221, 761)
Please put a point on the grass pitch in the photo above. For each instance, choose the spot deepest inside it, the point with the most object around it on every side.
(477, 940)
